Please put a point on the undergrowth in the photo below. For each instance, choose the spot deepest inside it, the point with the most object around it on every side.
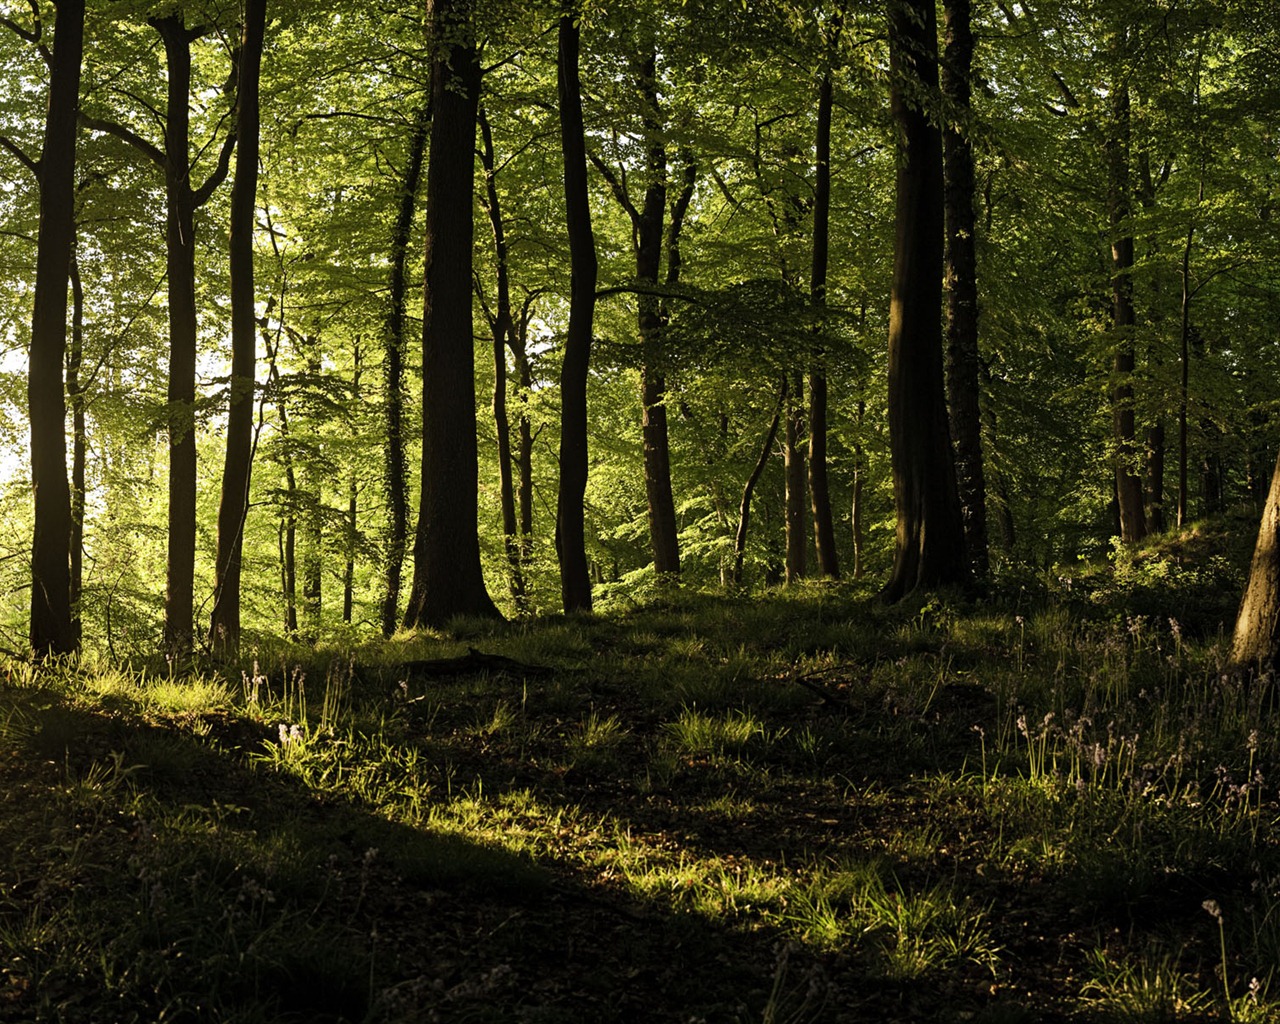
(1051, 804)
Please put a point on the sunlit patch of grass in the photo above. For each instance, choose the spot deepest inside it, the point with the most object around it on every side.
(593, 743)
(1146, 988)
(714, 887)
(733, 734)
(500, 720)
(924, 931)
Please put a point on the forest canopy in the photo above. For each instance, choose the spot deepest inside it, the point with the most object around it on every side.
(301, 300)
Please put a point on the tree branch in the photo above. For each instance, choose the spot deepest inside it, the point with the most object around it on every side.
(20, 155)
(619, 192)
(202, 194)
(147, 149)
(29, 35)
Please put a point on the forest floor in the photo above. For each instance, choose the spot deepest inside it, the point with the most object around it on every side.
(1051, 804)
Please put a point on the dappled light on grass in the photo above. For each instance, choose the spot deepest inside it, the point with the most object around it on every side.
(916, 811)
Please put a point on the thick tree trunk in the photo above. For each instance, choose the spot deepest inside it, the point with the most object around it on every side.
(1256, 642)
(963, 360)
(394, 463)
(824, 536)
(52, 630)
(447, 577)
(1133, 524)
(575, 579)
(501, 327)
(180, 256)
(930, 532)
(233, 507)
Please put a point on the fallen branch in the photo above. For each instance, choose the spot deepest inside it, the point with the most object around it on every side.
(471, 663)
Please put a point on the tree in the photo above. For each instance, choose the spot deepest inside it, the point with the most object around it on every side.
(647, 237)
(963, 360)
(447, 578)
(174, 159)
(395, 472)
(819, 489)
(930, 534)
(1256, 641)
(575, 581)
(51, 628)
(1133, 523)
(224, 632)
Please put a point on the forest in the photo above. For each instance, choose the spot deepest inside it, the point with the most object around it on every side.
(704, 510)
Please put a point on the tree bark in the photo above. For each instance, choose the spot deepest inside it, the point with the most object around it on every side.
(233, 506)
(575, 579)
(748, 489)
(1155, 477)
(961, 275)
(79, 441)
(52, 631)
(180, 254)
(663, 531)
(289, 526)
(797, 545)
(501, 327)
(1133, 523)
(824, 536)
(395, 466)
(447, 577)
(181, 202)
(353, 499)
(930, 532)
(1256, 641)
(859, 483)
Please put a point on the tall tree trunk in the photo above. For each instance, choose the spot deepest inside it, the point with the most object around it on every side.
(233, 506)
(859, 484)
(575, 579)
(748, 489)
(1133, 524)
(1155, 477)
(289, 525)
(181, 254)
(797, 546)
(1184, 360)
(395, 468)
(524, 449)
(963, 360)
(353, 501)
(930, 532)
(79, 440)
(663, 533)
(1256, 642)
(312, 555)
(447, 577)
(181, 202)
(52, 631)
(824, 535)
(501, 327)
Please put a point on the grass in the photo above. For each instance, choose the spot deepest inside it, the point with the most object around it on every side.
(800, 808)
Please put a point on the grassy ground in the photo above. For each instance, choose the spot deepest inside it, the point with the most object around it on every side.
(1051, 805)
